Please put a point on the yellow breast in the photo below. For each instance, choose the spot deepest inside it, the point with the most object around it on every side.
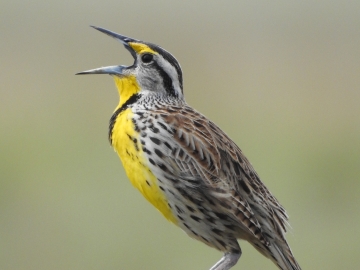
(126, 143)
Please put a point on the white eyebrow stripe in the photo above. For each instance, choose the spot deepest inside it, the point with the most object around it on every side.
(171, 71)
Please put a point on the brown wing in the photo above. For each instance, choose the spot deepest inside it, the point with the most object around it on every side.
(206, 153)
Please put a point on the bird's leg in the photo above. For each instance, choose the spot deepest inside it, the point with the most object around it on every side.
(227, 261)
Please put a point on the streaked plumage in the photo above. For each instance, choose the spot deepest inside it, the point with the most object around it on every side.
(186, 166)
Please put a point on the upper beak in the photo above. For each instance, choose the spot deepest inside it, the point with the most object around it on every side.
(113, 70)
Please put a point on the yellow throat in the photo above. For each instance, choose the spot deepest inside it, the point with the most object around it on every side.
(126, 142)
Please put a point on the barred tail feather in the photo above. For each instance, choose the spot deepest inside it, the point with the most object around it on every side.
(282, 256)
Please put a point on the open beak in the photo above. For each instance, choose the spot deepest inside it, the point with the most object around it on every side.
(112, 70)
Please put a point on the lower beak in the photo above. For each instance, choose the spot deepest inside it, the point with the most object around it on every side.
(112, 70)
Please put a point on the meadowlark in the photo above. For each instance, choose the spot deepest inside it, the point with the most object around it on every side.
(185, 165)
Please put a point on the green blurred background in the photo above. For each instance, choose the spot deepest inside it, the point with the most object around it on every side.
(281, 78)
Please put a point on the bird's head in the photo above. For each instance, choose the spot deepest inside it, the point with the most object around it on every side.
(154, 70)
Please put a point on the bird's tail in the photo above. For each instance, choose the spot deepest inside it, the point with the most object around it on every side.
(281, 255)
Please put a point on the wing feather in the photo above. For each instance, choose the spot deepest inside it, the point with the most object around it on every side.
(205, 153)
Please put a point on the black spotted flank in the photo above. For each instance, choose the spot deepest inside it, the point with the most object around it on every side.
(162, 167)
(159, 153)
(151, 161)
(197, 219)
(211, 219)
(179, 210)
(216, 231)
(145, 150)
(198, 124)
(205, 239)
(130, 101)
(136, 127)
(221, 242)
(155, 140)
(134, 141)
(221, 216)
(244, 186)
(181, 153)
(163, 126)
(230, 226)
(155, 130)
(168, 145)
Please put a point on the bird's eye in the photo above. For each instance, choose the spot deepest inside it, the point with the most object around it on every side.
(147, 58)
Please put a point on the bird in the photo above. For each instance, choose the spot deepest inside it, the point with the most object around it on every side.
(185, 165)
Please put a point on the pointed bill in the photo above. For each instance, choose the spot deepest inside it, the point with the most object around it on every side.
(112, 70)
(123, 39)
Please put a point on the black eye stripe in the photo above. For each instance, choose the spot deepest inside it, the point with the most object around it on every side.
(171, 59)
(167, 81)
